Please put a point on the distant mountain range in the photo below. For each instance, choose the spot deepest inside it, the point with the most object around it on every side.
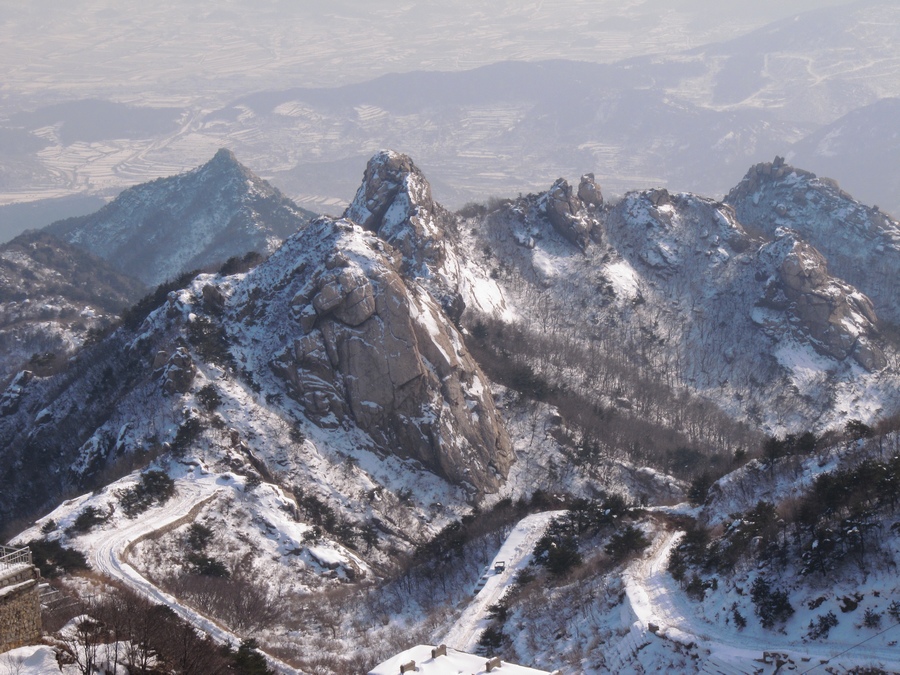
(691, 121)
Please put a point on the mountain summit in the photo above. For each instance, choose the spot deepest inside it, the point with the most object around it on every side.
(157, 230)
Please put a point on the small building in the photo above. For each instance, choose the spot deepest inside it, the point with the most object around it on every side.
(20, 605)
(427, 660)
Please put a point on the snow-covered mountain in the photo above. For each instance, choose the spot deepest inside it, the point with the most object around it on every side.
(158, 230)
(52, 296)
(662, 306)
(358, 419)
(687, 292)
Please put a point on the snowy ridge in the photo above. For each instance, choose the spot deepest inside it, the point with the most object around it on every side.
(158, 230)
(702, 301)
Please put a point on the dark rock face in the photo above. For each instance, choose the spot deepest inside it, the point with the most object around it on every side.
(564, 210)
(368, 349)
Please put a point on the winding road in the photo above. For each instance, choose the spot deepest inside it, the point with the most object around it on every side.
(656, 598)
(108, 555)
(516, 553)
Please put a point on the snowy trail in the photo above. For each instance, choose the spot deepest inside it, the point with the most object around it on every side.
(656, 598)
(516, 553)
(108, 552)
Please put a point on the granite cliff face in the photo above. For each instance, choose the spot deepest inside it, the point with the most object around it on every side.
(680, 288)
(365, 347)
(394, 201)
(839, 321)
(158, 230)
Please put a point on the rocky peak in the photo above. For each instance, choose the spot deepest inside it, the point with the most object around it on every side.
(862, 244)
(394, 201)
(225, 157)
(157, 230)
(225, 163)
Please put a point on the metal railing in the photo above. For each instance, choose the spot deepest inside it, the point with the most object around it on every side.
(12, 557)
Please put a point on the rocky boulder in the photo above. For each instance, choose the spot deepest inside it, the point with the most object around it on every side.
(659, 197)
(589, 192)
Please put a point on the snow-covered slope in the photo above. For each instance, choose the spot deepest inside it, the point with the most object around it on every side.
(52, 295)
(158, 230)
(685, 293)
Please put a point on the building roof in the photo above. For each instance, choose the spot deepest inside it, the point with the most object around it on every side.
(454, 663)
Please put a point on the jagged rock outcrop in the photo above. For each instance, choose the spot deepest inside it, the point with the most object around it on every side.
(589, 192)
(158, 230)
(366, 348)
(659, 197)
(839, 319)
(565, 211)
(394, 201)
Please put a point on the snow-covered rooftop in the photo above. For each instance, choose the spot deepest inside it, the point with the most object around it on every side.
(452, 663)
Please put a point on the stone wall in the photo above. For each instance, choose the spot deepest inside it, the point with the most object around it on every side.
(20, 607)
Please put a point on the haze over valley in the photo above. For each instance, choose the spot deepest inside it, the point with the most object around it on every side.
(491, 102)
